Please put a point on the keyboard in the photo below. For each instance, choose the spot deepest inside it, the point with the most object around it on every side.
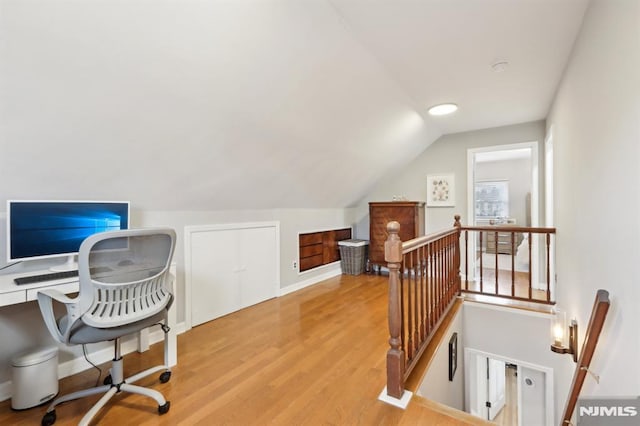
(45, 277)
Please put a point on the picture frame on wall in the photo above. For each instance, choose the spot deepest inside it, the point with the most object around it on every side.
(441, 190)
(453, 356)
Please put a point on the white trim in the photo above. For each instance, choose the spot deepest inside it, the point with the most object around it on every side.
(5, 390)
(400, 403)
(189, 230)
(79, 364)
(470, 353)
(549, 204)
(508, 309)
(335, 270)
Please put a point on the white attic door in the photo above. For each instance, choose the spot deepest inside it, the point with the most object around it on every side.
(229, 267)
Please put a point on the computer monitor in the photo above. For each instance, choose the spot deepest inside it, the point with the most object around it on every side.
(47, 229)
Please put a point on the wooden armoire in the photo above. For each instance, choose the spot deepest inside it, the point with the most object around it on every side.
(410, 215)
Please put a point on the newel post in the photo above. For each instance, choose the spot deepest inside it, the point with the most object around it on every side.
(395, 354)
(457, 256)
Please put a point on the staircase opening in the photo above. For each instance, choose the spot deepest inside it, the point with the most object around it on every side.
(508, 391)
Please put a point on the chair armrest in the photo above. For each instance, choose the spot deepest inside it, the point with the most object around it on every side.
(45, 301)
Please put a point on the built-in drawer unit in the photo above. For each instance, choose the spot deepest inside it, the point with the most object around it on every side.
(320, 248)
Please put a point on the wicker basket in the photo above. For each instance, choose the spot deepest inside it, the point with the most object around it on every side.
(353, 256)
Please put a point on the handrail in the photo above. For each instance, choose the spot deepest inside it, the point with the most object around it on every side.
(596, 322)
(424, 280)
(407, 246)
(502, 228)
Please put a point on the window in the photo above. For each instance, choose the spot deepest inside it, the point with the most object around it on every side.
(492, 199)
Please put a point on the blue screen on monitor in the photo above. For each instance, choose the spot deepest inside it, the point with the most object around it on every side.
(52, 228)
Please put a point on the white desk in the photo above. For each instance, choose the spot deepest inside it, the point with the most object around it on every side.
(12, 294)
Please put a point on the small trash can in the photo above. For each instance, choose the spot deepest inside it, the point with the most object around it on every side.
(353, 256)
(34, 375)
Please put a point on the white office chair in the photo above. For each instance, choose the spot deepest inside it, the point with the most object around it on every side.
(125, 286)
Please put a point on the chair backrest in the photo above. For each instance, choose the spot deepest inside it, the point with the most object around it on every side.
(124, 276)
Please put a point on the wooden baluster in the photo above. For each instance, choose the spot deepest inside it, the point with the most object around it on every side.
(409, 318)
(434, 280)
(428, 288)
(452, 267)
(445, 275)
(481, 267)
(403, 306)
(513, 264)
(466, 260)
(438, 280)
(455, 273)
(395, 354)
(416, 302)
(496, 268)
(423, 295)
(447, 269)
(432, 285)
(442, 277)
(530, 274)
(425, 289)
(548, 267)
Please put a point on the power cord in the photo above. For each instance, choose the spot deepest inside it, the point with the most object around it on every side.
(84, 351)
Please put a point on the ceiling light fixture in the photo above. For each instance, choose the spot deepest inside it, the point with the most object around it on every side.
(443, 109)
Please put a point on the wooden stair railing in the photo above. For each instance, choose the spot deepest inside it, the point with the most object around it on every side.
(596, 322)
(424, 280)
(500, 285)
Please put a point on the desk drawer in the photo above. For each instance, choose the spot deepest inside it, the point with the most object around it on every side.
(13, 298)
(32, 294)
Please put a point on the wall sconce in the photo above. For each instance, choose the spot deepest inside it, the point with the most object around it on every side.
(564, 338)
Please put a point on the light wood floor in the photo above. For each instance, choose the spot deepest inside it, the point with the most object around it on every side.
(521, 282)
(313, 357)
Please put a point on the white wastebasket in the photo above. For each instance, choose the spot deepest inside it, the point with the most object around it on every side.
(34, 375)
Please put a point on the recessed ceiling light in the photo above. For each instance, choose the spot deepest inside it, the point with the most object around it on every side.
(443, 109)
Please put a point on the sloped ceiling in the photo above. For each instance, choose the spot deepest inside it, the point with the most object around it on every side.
(209, 105)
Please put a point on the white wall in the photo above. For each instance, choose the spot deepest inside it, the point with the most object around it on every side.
(435, 384)
(446, 155)
(517, 335)
(596, 127)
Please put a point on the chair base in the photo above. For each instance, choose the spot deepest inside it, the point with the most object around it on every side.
(118, 384)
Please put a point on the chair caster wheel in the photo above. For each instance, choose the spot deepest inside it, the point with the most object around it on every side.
(108, 380)
(164, 377)
(49, 418)
(163, 409)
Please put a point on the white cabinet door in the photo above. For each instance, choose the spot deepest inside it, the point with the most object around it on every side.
(259, 265)
(497, 386)
(214, 279)
(230, 268)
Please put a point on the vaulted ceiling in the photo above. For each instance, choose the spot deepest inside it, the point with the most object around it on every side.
(221, 104)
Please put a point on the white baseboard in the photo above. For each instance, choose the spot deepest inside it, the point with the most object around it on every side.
(335, 270)
(79, 364)
(5, 390)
